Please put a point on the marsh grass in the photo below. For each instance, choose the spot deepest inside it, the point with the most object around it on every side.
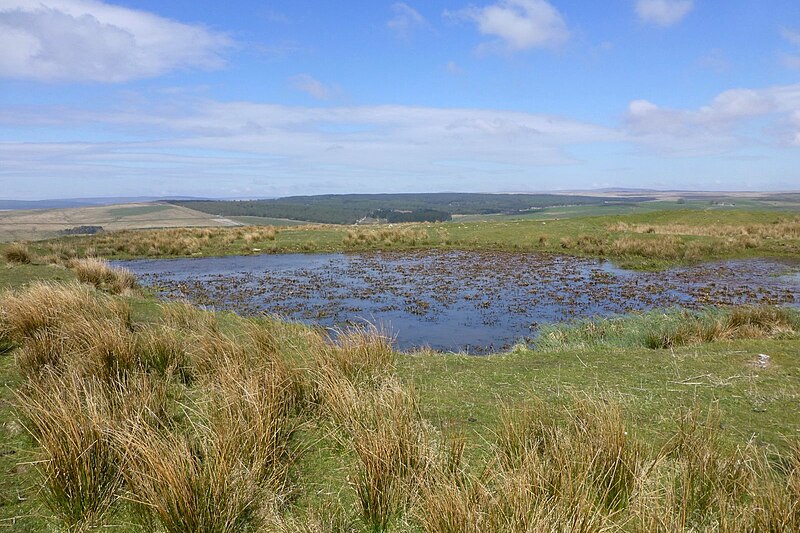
(672, 328)
(190, 422)
(17, 252)
(98, 273)
(385, 236)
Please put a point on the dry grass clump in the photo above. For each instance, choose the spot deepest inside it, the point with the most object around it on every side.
(73, 418)
(385, 236)
(102, 276)
(356, 354)
(176, 241)
(45, 304)
(16, 252)
(780, 229)
(742, 322)
(668, 329)
(80, 466)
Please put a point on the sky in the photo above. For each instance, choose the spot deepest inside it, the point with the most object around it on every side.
(252, 99)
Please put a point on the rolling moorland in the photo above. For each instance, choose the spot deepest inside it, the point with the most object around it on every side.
(123, 411)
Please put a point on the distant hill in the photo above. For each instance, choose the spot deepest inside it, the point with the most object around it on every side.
(350, 208)
(61, 203)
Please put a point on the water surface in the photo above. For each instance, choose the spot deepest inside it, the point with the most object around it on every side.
(455, 300)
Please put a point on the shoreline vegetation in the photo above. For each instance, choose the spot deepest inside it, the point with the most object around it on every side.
(123, 412)
(653, 241)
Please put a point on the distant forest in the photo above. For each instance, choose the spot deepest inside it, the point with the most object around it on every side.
(350, 208)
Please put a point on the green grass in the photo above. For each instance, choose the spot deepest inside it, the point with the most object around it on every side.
(598, 236)
(354, 411)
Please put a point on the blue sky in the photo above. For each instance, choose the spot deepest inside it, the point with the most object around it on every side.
(260, 99)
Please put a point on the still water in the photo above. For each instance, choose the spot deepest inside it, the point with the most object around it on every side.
(456, 301)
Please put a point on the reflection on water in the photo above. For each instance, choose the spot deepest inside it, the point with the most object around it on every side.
(474, 301)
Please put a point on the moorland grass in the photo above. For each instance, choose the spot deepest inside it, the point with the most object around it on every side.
(672, 328)
(194, 421)
(646, 241)
(17, 252)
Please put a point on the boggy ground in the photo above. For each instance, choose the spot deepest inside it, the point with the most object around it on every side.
(482, 301)
(124, 413)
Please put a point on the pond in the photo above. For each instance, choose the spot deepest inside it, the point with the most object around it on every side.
(456, 300)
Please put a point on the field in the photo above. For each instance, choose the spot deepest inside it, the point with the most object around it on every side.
(125, 413)
(47, 223)
(642, 240)
(120, 412)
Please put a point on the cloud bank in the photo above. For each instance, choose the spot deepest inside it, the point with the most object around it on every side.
(91, 41)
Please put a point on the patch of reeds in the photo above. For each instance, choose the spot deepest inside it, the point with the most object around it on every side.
(782, 228)
(72, 418)
(101, 275)
(17, 252)
(673, 328)
(173, 241)
(385, 236)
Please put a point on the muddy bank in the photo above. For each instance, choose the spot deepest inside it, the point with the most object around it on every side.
(474, 301)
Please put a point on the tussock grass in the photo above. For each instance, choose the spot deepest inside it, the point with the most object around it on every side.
(175, 241)
(72, 417)
(17, 252)
(102, 276)
(385, 236)
(45, 304)
(657, 330)
(783, 228)
(201, 422)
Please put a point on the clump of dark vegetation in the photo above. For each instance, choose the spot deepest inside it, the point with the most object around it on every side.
(393, 216)
(349, 208)
(81, 230)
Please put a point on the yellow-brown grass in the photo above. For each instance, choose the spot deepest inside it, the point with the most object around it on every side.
(16, 252)
(102, 276)
(385, 236)
(781, 229)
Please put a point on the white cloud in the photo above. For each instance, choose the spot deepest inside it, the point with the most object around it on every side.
(663, 12)
(791, 35)
(88, 40)
(519, 24)
(454, 68)
(311, 86)
(791, 61)
(733, 118)
(406, 19)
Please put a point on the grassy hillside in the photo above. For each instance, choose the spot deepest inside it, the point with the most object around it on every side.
(47, 223)
(648, 240)
(123, 413)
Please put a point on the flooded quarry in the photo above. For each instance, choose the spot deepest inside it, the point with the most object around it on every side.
(456, 300)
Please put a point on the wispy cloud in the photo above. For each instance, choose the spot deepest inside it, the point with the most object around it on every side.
(311, 86)
(518, 24)
(663, 12)
(88, 40)
(200, 144)
(453, 68)
(406, 19)
(792, 60)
